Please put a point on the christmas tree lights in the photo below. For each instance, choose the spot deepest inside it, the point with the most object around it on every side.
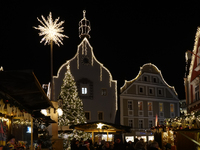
(72, 107)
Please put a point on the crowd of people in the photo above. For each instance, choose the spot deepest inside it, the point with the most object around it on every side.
(117, 145)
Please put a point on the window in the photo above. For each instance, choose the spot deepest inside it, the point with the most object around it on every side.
(145, 78)
(171, 108)
(87, 115)
(150, 106)
(150, 123)
(141, 90)
(140, 125)
(130, 123)
(130, 105)
(100, 115)
(160, 107)
(197, 93)
(84, 90)
(150, 91)
(103, 92)
(140, 107)
(161, 122)
(160, 92)
(155, 80)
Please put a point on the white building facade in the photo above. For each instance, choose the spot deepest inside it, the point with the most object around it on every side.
(143, 99)
(95, 84)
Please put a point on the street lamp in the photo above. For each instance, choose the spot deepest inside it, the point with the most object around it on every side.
(52, 32)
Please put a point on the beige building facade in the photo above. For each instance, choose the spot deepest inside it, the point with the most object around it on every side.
(144, 99)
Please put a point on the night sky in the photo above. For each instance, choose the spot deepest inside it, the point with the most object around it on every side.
(124, 36)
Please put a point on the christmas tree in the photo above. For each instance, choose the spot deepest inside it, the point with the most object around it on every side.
(72, 106)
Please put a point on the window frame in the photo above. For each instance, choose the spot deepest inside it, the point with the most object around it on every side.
(140, 106)
(100, 112)
(84, 90)
(142, 123)
(89, 115)
(162, 107)
(151, 106)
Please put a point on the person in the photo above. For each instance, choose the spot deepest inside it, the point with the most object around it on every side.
(167, 146)
(119, 145)
(106, 146)
(140, 145)
(129, 146)
(112, 144)
(87, 146)
(11, 143)
(153, 146)
(75, 145)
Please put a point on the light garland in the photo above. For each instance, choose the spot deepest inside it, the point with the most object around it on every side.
(140, 73)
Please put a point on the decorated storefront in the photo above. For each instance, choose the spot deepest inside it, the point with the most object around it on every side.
(21, 96)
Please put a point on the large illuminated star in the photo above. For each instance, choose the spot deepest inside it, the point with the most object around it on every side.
(51, 30)
(99, 125)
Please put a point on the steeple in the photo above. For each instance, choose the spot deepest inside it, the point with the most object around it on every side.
(84, 27)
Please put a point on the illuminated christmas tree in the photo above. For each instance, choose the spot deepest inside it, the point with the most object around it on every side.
(72, 106)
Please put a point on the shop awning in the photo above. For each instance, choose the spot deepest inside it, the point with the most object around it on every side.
(105, 127)
(22, 87)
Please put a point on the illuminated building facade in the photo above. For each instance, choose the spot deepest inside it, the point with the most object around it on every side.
(191, 80)
(145, 98)
(95, 84)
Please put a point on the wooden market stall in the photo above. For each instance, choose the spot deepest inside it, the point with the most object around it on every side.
(100, 127)
(20, 96)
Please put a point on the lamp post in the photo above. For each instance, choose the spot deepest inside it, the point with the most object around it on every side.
(52, 32)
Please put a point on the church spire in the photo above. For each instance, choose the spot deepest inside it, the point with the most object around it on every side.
(84, 27)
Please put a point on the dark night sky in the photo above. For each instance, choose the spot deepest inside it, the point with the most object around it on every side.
(124, 36)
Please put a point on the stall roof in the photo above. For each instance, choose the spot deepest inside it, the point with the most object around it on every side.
(23, 87)
(107, 127)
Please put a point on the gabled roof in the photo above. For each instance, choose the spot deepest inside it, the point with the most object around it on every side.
(193, 64)
(146, 68)
(23, 89)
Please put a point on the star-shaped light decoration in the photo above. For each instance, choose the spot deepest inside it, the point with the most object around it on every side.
(99, 125)
(51, 30)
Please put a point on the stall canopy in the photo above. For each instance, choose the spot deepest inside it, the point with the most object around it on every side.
(101, 127)
(23, 89)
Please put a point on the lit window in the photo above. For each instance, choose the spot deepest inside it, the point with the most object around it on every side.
(84, 90)
(130, 105)
(150, 106)
(172, 108)
(140, 107)
(161, 107)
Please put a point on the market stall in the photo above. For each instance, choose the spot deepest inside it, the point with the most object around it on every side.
(102, 130)
(20, 96)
